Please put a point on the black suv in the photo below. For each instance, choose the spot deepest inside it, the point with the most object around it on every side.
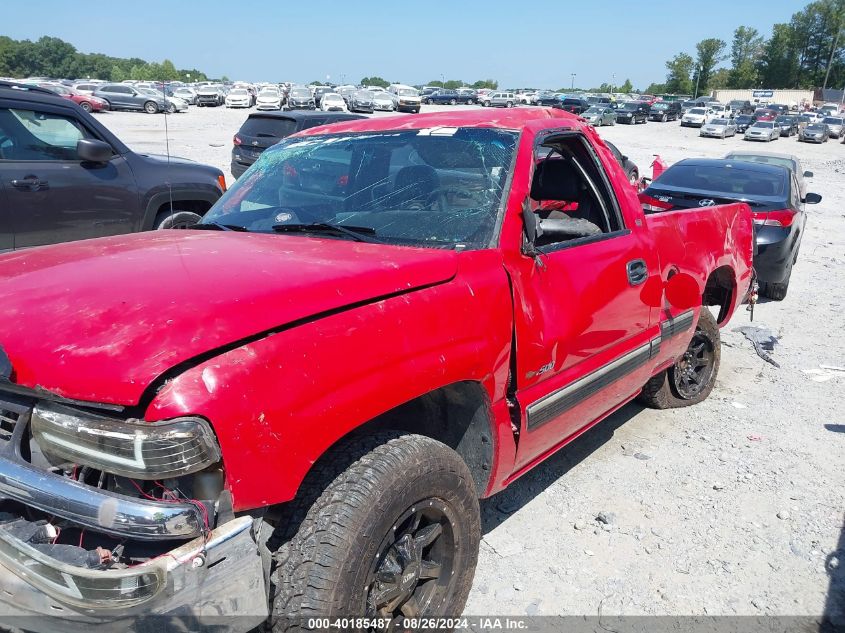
(64, 176)
(633, 111)
(665, 111)
(264, 129)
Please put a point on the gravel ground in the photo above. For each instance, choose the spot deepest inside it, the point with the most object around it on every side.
(734, 506)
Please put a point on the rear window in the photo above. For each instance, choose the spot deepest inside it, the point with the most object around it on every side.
(277, 127)
(726, 180)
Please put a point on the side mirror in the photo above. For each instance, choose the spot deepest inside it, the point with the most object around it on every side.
(808, 174)
(93, 151)
(812, 198)
(682, 291)
(532, 227)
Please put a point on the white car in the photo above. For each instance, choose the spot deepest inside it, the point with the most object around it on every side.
(527, 98)
(763, 131)
(332, 102)
(186, 94)
(238, 98)
(720, 111)
(384, 101)
(719, 128)
(269, 99)
(696, 117)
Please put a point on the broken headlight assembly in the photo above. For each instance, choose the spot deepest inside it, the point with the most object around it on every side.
(132, 448)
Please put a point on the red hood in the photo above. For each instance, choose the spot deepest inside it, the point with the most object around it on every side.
(99, 320)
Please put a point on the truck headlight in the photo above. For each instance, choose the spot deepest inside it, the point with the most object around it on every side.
(132, 448)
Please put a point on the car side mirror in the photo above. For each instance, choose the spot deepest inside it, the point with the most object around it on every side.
(812, 198)
(93, 151)
(808, 174)
(682, 291)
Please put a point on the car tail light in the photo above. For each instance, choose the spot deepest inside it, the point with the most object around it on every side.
(783, 217)
(221, 180)
(652, 205)
(236, 140)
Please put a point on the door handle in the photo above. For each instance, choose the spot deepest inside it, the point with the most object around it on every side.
(31, 183)
(637, 272)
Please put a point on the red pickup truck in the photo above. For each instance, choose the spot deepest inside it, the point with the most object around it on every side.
(293, 410)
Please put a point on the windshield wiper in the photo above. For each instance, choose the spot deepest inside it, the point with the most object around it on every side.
(216, 226)
(357, 233)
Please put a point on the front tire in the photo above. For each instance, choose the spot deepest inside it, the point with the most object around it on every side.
(85, 106)
(386, 526)
(176, 219)
(691, 379)
(151, 107)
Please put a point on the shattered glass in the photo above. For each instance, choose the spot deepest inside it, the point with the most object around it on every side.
(438, 187)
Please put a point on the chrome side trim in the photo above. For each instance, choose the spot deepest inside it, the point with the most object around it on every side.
(565, 398)
(102, 510)
(676, 325)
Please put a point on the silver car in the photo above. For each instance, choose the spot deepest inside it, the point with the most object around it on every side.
(502, 100)
(834, 124)
(600, 115)
(763, 131)
(719, 128)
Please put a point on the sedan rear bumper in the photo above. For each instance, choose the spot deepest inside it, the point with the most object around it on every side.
(777, 248)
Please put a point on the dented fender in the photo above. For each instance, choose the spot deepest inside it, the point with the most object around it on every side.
(278, 403)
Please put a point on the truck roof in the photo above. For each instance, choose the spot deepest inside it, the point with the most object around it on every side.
(506, 119)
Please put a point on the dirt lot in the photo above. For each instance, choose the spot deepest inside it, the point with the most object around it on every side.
(734, 506)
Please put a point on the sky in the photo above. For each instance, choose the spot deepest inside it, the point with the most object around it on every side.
(521, 44)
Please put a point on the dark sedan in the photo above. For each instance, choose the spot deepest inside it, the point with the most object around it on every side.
(772, 192)
(548, 99)
(788, 125)
(361, 101)
(743, 122)
(301, 99)
(814, 133)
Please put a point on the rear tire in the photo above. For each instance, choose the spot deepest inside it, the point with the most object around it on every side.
(151, 107)
(176, 219)
(688, 381)
(85, 106)
(337, 548)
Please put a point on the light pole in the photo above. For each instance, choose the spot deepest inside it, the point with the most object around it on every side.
(572, 85)
(612, 84)
(697, 78)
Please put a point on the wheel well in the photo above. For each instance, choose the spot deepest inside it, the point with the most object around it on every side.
(719, 291)
(459, 415)
(200, 207)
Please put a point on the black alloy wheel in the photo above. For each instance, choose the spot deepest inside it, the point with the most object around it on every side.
(413, 570)
(694, 370)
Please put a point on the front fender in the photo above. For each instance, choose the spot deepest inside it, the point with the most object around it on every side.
(277, 404)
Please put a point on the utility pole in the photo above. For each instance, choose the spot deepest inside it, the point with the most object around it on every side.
(830, 61)
(697, 78)
(572, 85)
(612, 84)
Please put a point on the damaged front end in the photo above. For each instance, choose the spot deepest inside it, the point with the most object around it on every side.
(105, 519)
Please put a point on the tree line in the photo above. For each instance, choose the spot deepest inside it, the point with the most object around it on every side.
(53, 57)
(806, 52)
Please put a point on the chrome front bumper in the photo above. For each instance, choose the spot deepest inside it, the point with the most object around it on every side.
(217, 581)
(102, 510)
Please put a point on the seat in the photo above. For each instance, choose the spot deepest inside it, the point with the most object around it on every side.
(414, 184)
(556, 179)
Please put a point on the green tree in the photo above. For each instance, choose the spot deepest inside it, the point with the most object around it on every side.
(492, 84)
(710, 52)
(656, 89)
(746, 49)
(627, 86)
(435, 84)
(778, 67)
(452, 84)
(116, 73)
(720, 78)
(375, 81)
(678, 79)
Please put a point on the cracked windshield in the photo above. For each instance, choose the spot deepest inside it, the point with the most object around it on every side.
(439, 187)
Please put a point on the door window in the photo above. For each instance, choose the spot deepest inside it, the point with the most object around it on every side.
(569, 191)
(31, 135)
